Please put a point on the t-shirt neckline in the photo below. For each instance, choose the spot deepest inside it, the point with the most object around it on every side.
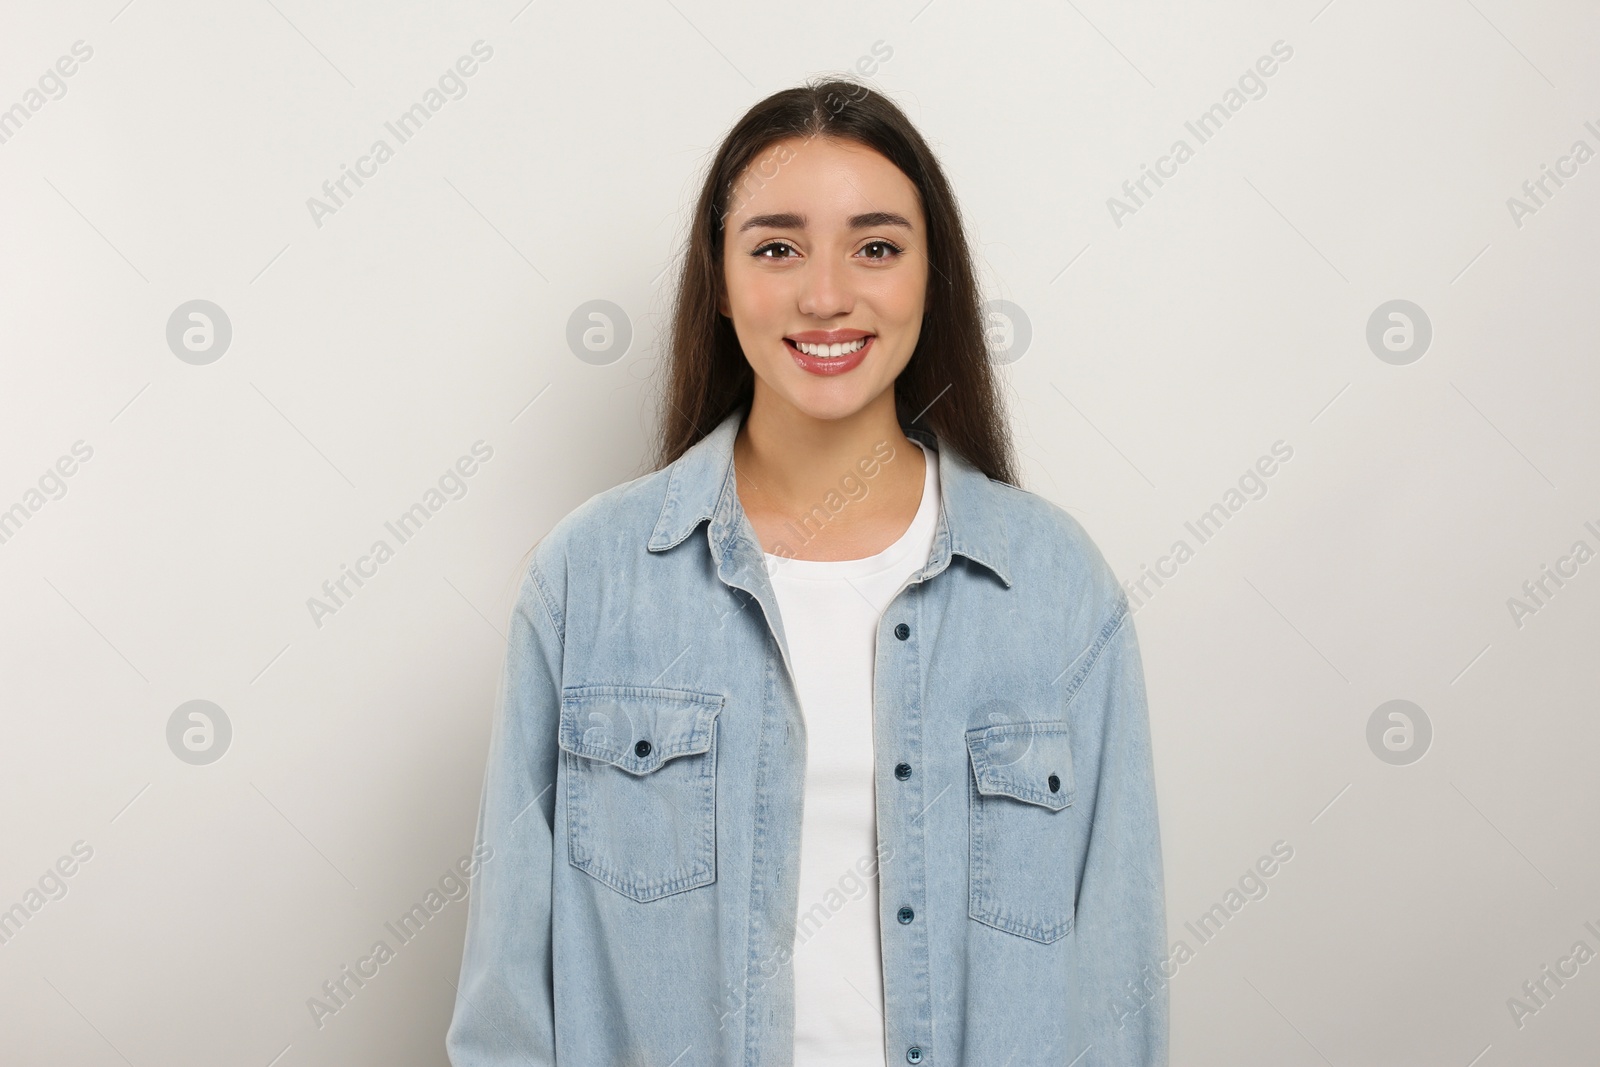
(866, 566)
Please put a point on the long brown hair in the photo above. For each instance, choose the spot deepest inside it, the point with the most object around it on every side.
(949, 386)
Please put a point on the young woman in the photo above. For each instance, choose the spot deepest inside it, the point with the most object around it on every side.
(824, 742)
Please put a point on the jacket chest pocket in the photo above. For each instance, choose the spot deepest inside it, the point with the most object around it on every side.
(1019, 829)
(641, 778)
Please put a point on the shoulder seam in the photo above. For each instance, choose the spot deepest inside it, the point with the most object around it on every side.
(557, 620)
(1107, 631)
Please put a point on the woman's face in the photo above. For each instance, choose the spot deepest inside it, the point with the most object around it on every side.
(824, 245)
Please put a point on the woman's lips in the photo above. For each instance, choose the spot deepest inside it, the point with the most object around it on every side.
(827, 367)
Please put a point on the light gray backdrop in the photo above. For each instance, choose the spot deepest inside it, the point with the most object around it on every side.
(224, 382)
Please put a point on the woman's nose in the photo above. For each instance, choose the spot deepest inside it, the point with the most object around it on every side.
(825, 289)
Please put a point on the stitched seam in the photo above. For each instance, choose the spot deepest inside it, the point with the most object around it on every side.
(667, 497)
(579, 693)
(1009, 784)
(700, 739)
(635, 764)
(1108, 630)
(1045, 933)
(557, 620)
(647, 891)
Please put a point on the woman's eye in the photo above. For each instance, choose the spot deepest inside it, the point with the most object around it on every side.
(888, 250)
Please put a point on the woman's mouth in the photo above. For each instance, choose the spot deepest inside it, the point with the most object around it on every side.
(830, 359)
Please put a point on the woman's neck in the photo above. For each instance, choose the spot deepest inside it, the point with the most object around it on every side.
(827, 489)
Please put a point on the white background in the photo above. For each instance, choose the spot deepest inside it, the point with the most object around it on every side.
(430, 312)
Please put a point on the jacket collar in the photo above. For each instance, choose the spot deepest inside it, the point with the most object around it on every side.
(701, 487)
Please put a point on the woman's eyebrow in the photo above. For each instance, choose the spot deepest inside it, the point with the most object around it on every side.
(788, 220)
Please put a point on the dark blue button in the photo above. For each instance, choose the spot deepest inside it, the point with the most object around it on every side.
(914, 1054)
(902, 771)
(642, 748)
(902, 632)
(1055, 784)
(906, 915)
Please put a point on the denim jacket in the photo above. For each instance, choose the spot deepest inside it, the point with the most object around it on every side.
(642, 802)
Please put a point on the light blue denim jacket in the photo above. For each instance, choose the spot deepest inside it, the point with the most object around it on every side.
(644, 792)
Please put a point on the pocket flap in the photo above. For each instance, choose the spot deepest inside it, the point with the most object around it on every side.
(637, 728)
(1020, 760)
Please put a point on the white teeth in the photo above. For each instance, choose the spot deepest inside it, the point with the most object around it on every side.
(832, 351)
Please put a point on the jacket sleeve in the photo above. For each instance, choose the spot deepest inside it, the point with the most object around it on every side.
(504, 1009)
(1118, 1008)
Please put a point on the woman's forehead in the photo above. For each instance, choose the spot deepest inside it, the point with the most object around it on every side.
(822, 184)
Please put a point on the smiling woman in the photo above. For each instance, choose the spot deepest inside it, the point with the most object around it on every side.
(838, 811)
(853, 262)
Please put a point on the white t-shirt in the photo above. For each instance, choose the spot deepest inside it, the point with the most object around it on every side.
(830, 611)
